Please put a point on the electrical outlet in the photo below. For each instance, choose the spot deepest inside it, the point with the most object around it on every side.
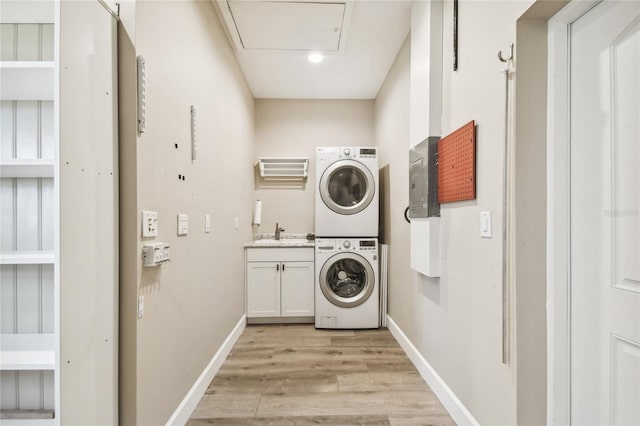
(149, 223)
(237, 223)
(140, 306)
(154, 254)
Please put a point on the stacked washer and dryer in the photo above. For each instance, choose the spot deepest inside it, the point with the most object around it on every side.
(347, 291)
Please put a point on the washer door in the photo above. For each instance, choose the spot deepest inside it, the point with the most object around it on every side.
(347, 187)
(347, 280)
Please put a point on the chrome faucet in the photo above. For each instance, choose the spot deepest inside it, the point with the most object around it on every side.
(278, 231)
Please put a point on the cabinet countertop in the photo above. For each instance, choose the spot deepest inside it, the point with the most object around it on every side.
(280, 244)
(287, 240)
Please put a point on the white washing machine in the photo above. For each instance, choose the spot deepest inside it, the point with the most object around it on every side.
(347, 290)
(346, 192)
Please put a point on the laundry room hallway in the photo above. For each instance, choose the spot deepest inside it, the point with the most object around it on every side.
(297, 375)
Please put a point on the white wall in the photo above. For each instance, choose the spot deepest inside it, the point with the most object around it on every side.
(192, 303)
(294, 128)
(455, 321)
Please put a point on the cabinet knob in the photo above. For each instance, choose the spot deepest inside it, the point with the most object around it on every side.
(278, 267)
(283, 266)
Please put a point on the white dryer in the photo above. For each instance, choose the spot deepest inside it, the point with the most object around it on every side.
(347, 291)
(346, 192)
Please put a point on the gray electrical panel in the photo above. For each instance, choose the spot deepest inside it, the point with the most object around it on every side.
(423, 179)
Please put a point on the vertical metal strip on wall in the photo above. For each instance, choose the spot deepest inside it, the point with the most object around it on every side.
(506, 287)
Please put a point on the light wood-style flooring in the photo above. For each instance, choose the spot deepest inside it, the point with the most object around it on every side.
(297, 375)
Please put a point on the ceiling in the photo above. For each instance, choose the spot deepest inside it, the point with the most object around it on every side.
(358, 38)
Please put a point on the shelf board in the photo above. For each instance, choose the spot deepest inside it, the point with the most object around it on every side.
(27, 352)
(27, 168)
(26, 415)
(30, 422)
(27, 80)
(31, 12)
(27, 257)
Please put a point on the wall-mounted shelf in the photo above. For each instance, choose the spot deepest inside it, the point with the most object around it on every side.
(26, 80)
(283, 168)
(27, 169)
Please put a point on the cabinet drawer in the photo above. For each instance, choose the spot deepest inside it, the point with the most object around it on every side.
(302, 254)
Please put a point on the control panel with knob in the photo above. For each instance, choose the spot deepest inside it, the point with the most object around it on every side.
(347, 152)
(346, 244)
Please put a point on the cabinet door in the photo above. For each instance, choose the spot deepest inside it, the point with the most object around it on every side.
(297, 280)
(263, 289)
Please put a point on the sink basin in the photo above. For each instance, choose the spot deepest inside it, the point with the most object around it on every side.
(281, 241)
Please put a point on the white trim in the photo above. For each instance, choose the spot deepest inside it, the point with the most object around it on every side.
(558, 211)
(56, 213)
(449, 400)
(191, 399)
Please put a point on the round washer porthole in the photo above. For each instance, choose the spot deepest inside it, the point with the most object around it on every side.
(347, 187)
(347, 280)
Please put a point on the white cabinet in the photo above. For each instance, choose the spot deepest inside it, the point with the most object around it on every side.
(280, 282)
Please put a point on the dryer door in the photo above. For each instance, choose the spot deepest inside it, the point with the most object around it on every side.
(347, 187)
(347, 280)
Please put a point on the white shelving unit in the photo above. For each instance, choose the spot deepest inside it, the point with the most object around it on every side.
(29, 248)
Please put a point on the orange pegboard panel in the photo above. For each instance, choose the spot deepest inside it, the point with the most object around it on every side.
(457, 165)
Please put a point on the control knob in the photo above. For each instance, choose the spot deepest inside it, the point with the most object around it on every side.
(347, 151)
(346, 244)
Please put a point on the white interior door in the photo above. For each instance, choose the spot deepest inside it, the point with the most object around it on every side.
(605, 214)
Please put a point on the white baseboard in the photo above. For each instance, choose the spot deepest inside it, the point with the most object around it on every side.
(191, 399)
(449, 400)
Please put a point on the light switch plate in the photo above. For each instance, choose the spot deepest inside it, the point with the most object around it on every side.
(183, 224)
(485, 224)
(207, 223)
(149, 223)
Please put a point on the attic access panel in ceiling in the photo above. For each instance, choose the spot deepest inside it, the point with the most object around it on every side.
(283, 25)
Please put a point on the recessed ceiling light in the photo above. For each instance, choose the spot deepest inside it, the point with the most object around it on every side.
(315, 57)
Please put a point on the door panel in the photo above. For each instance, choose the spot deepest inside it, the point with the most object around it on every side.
(625, 382)
(626, 149)
(263, 289)
(605, 195)
(297, 289)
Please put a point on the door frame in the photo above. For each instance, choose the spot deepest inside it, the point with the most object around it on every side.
(558, 212)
